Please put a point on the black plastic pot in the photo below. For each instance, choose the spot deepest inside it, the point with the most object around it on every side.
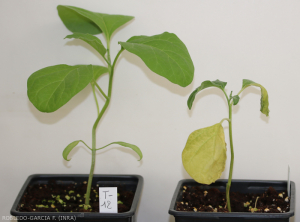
(132, 182)
(243, 186)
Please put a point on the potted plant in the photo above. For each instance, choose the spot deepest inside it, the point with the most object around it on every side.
(204, 158)
(52, 87)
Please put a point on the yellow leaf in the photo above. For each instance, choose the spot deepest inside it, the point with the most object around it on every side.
(204, 155)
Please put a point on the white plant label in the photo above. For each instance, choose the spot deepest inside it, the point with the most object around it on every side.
(289, 183)
(108, 199)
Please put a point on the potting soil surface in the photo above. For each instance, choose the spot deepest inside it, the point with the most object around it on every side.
(54, 197)
(212, 200)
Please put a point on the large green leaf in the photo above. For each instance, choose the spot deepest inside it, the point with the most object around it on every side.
(204, 155)
(76, 22)
(91, 40)
(217, 83)
(133, 147)
(164, 54)
(264, 100)
(107, 23)
(50, 88)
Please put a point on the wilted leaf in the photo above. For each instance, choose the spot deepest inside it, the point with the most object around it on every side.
(69, 148)
(204, 155)
(264, 100)
(164, 54)
(133, 147)
(217, 83)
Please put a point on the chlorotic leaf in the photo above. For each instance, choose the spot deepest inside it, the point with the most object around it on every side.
(91, 40)
(68, 149)
(50, 88)
(235, 99)
(76, 22)
(206, 84)
(164, 54)
(107, 23)
(133, 147)
(264, 100)
(204, 155)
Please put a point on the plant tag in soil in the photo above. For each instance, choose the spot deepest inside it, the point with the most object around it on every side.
(108, 199)
(289, 182)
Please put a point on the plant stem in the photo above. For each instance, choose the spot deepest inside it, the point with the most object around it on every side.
(232, 157)
(111, 73)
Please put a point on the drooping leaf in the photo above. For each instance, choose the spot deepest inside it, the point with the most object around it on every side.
(50, 88)
(264, 100)
(68, 149)
(217, 83)
(107, 23)
(164, 54)
(204, 155)
(91, 40)
(133, 147)
(76, 22)
(235, 99)
(98, 71)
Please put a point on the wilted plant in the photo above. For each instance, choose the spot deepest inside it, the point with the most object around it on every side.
(204, 155)
(52, 87)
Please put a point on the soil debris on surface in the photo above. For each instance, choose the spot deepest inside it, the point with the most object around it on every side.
(57, 197)
(212, 200)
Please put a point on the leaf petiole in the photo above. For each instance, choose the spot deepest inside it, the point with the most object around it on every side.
(95, 97)
(101, 91)
(225, 119)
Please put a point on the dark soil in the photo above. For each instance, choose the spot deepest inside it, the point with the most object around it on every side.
(212, 200)
(55, 197)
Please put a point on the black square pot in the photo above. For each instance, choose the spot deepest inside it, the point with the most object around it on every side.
(243, 186)
(132, 182)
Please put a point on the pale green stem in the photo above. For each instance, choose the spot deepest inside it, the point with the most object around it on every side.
(232, 157)
(111, 73)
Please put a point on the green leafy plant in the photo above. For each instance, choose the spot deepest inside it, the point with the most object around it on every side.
(204, 155)
(52, 87)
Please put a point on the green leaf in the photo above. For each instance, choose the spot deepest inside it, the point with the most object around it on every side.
(264, 100)
(50, 88)
(164, 54)
(107, 23)
(206, 84)
(133, 147)
(235, 99)
(204, 155)
(76, 22)
(98, 71)
(91, 40)
(68, 149)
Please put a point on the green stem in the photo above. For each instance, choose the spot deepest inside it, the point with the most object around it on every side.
(111, 73)
(232, 157)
